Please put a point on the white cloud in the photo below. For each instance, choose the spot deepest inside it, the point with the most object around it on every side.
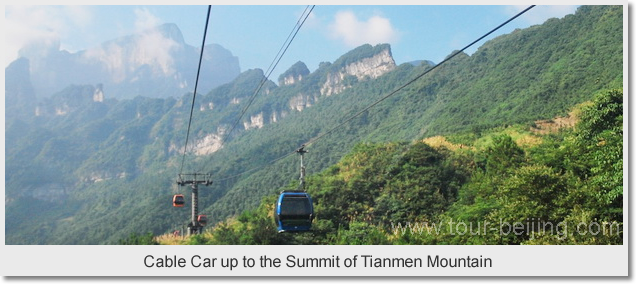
(25, 25)
(150, 48)
(354, 32)
(539, 14)
(43, 26)
(145, 20)
(153, 48)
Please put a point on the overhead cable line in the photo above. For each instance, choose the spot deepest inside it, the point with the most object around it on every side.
(293, 33)
(194, 95)
(271, 68)
(313, 140)
(271, 162)
(331, 130)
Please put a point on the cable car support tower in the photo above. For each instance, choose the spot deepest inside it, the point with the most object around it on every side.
(301, 151)
(195, 227)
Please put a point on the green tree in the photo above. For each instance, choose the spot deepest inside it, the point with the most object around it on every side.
(135, 239)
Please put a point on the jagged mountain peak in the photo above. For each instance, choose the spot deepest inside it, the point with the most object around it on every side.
(363, 62)
(364, 51)
(171, 31)
(294, 74)
(19, 94)
(168, 31)
(122, 146)
(152, 63)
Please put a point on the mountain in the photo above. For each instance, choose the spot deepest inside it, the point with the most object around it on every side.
(91, 169)
(18, 89)
(156, 63)
(420, 62)
(462, 189)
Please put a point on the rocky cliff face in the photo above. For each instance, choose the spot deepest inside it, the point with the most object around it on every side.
(363, 63)
(302, 101)
(366, 68)
(19, 95)
(256, 121)
(98, 95)
(291, 79)
(155, 63)
(294, 74)
(276, 116)
(69, 100)
(100, 176)
(208, 144)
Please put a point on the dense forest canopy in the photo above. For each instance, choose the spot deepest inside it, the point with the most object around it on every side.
(529, 126)
(562, 187)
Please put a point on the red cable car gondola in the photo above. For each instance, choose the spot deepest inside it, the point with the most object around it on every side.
(203, 220)
(178, 200)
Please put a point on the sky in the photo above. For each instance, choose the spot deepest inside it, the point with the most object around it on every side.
(255, 33)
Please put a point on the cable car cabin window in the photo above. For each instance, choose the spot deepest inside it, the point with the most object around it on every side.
(203, 220)
(178, 200)
(295, 207)
(294, 212)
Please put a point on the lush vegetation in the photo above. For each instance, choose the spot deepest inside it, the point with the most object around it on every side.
(104, 170)
(565, 189)
(298, 69)
(134, 239)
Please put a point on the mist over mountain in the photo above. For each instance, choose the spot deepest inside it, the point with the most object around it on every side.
(18, 90)
(93, 161)
(156, 63)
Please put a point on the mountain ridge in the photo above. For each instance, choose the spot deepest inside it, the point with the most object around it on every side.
(154, 63)
(139, 142)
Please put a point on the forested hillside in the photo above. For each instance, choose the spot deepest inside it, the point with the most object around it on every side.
(88, 169)
(563, 186)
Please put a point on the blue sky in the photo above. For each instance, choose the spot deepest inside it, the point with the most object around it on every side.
(255, 33)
